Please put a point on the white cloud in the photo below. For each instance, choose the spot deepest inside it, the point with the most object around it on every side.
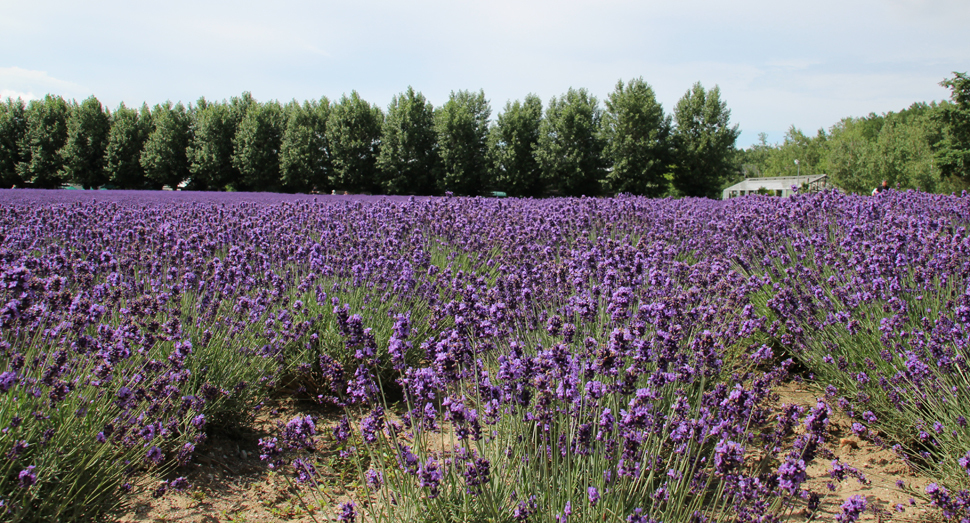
(26, 82)
(10, 93)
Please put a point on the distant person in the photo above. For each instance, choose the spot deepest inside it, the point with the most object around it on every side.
(881, 188)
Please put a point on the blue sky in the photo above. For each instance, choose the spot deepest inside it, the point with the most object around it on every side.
(777, 63)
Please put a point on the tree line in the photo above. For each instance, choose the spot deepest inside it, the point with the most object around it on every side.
(925, 146)
(573, 146)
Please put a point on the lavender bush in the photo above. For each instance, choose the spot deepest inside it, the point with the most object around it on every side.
(497, 360)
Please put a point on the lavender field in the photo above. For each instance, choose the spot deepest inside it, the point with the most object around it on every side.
(493, 360)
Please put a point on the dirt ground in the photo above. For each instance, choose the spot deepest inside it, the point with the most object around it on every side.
(231, 484)
(882, 469)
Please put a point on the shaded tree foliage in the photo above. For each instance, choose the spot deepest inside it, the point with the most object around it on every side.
(513, 142)
(256, 147)
(636, 135)
(953, 149)
(126, 140)
(408, 160)
(304, 153)
(353, 134)
(703, 143)
(165, 155)
(896, 147)
(87, 139)
(462, 128)
(46, 133)
(570, 148)
(13, 127)
(210, 152)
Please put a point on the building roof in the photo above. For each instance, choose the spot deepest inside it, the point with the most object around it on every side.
(777, 185)
(775, 182)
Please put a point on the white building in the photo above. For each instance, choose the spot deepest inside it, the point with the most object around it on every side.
(777, 185)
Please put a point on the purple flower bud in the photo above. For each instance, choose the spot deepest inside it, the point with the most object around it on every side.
(27, 477)
(347, 512)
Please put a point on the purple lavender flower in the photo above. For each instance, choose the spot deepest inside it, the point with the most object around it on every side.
(594, 495)
(852, 508)
(477, 474)
(342, 431)
(791, 475)
(430, 475)
(727, 456)
(154, 455)
(374, 478)
(179, 484)
(305, 471)
(7, 380)
(347, 512)
(27, 477)
(19, 446)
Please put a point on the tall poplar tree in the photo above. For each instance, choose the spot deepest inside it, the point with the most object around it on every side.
(462, 129)
(704, 143)
(354, 136)
(13, 127)
(513, 142)
(637, 140)
(570, 149)
(210, 151)
(87, 140)
(304, 154)
(256, 147)
(164, 157)
(409, 161)
(46, 134)
(126, 140)
(953, 150)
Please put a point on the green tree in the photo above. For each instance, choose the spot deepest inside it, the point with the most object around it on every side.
(164, 157)
(851, 155)
(13, 127)
(809, 151)
(409, 161)
(210, 151)
(953, 150)
(896, 147)
(87, 140)
(570, 148)
(46, 134)
(256, 147)
(704, 143)
(513, 142)
(354, 136)
(904, 153)
(126, 140)
(304, 153)
(753, 161)
(462, 128)
(637, 134)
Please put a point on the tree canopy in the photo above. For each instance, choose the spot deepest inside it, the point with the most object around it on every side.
(462, 129)
(513, 142)
(703, 143)
(409, 161)
(570, 151)
(87, 139)
(570, 147)
(354, 136)
(636, 135)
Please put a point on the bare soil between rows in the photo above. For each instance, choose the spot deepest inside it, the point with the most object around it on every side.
(229, 483)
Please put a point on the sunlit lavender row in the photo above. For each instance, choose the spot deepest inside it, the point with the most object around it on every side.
(494, 360)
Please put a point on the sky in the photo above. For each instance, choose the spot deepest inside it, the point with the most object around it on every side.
(777, 63)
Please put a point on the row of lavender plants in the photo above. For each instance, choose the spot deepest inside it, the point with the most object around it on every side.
(496, 360)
